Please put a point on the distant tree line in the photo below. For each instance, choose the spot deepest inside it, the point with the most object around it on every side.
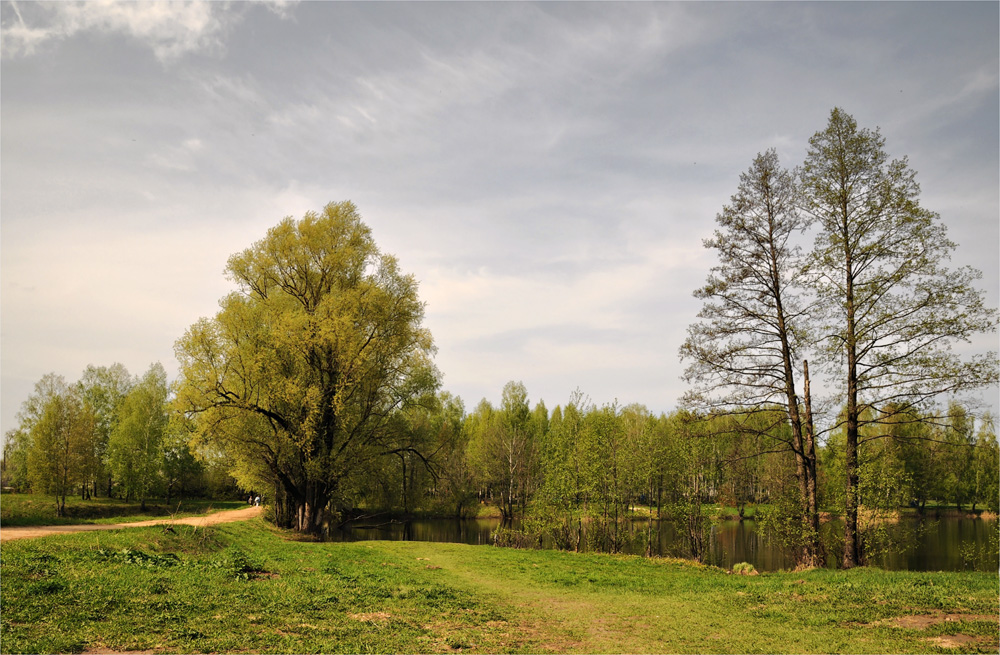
(109, 434)
(609, 474)
(578, 476)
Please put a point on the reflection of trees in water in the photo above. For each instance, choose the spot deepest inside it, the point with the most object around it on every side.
(943, 544)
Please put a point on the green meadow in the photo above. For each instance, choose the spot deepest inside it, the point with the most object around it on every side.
(248, 587)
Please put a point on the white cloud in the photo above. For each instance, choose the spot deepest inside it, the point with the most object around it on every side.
(170, 28)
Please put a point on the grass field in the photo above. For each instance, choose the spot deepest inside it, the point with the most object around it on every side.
(248, 587)
(38, 509)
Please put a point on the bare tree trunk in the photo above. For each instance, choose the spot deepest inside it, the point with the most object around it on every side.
(402, 461)
(851, 550)
(809, 433)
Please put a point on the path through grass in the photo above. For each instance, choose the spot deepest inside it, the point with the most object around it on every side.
(40, 509)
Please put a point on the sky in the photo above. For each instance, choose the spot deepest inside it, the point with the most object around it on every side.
(546, 171)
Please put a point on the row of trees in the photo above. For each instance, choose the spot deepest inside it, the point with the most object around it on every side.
(109, 433)
(315, 378)
(590, 472)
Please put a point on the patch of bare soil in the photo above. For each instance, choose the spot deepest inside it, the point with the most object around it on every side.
(33, 532)
(371, 617)
(953, 641)
(922, 621)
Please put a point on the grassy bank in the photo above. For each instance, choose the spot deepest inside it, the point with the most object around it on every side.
(247, 587)
(39, 509)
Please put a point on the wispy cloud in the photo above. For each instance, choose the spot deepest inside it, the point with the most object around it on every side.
(170, 28)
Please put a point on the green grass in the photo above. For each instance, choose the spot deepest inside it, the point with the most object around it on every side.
(248, 587)
(39, 509)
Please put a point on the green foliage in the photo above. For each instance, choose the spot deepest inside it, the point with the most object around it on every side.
(136, 444)
(986, 477)
(689, 469)
(14, 464)
(456, 484)
(298, 376)
(59, 455)
(103, 389)
(107, 433)
(780, 519)
(957, 458)
(556, 507)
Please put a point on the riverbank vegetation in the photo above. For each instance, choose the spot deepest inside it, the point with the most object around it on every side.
(250, 587)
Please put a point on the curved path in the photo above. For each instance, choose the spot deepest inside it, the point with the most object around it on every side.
(33, 531)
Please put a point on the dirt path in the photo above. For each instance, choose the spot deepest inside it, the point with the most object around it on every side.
(31, 532)
(555, 621)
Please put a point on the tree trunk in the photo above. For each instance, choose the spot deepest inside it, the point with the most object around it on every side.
(807, 555)
(809, 434)
(308, 508)
(402, 461)
(851, 550)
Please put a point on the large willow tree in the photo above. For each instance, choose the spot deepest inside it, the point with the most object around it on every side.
(298, 374)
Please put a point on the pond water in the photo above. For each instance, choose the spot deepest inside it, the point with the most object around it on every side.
(933, 544)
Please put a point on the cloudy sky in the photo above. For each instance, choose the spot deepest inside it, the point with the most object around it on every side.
(547, 171)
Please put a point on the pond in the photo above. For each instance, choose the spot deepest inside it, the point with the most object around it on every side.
(948, 543)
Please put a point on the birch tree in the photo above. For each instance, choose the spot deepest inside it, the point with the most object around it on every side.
(61, 436)
(136, 445)
(103, 389)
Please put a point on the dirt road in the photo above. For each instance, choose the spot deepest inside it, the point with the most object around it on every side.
(31, 532)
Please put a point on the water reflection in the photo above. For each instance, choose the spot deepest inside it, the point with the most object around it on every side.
(944, 544)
